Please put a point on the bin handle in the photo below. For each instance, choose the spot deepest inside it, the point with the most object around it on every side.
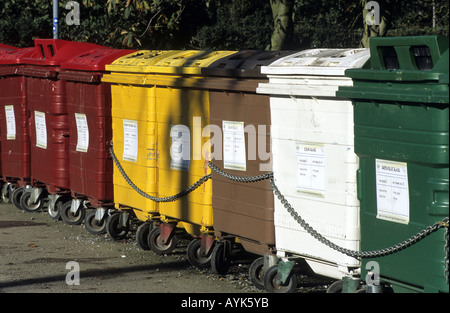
(359, 181)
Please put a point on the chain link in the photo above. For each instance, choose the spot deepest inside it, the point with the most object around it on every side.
(157, 199)
(241, 179)
(357, 254)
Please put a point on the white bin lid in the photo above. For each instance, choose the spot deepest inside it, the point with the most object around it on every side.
(319, 62)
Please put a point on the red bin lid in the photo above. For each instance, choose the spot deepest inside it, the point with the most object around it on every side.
(14, 56)
(95, 59)
(56, 51)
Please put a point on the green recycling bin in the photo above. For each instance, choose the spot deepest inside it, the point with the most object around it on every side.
(401, 127)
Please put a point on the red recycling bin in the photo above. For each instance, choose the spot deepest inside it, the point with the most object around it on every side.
(14, 138)
(48, 119)
(90, 127)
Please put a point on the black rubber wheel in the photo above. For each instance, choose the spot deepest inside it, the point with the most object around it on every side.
(142, 235)
(335, 287)
(270, 284)
(27, 205)
(194, 257)
(93, 226)
(114, 229)
(256, 273)
(16, 195)
(70, 218)
(221, 258)
(158, 247)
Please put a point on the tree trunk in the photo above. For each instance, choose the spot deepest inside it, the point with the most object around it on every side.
(283, 31)
(377, 20)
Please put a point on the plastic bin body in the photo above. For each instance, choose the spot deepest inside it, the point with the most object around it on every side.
(165, 88)
(244, 210)
(314, 163)
(14, 137)
(49, 124)
(402, 138)
(90, 124)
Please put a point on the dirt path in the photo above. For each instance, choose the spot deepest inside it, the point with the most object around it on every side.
(35, 252)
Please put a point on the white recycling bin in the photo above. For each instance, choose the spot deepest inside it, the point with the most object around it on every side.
(314, 163)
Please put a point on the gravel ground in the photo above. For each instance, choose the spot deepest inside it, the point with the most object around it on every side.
(35, 254)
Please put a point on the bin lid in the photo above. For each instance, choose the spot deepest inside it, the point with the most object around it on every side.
(4, 47)
(318, 62)
(14, 56)
(410, 58)
(167, 62)
(56, 51)
(245, 63)
(406, 69)
(94, 59)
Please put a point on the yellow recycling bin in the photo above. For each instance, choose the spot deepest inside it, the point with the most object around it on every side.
(163, 143)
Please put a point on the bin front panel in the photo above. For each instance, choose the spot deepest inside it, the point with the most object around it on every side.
(89, 111)
(134, 143)
(314, 162)
(401, 136)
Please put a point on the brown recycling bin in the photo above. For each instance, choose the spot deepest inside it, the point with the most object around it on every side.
(241, 210)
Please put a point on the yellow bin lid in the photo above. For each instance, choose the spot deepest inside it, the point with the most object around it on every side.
(166, 62)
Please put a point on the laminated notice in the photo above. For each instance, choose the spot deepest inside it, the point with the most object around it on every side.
(130, 140)
(10, 122)
(41, 129)
(180, 150)
(310, 168)
(234, 156)
(392, 191)
(82, 132)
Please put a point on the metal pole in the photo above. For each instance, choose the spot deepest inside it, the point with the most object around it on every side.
(55, 19)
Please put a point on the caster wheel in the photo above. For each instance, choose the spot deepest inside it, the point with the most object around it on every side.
(55, 213)
(16, 195)
(115, 229)
(194, 257)
(142, 235)
(93, 226)
(256, 273)
(221, 257)
(69, 217)
(335, 287)
(155, 244)
(7, 193)
(271, 285)
(29, 206)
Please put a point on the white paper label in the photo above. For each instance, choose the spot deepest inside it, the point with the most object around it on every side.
(392, 191)
(180, 151)
(10, 122)
(41, 129)
(82, 132)
(234, 156)
(130, 140)
(310, 168)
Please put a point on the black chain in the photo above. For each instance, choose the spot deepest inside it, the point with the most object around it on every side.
(157, 199)
(241, 179)
(356, 254)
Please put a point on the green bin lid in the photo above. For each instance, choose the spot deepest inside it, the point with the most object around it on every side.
(403, 69)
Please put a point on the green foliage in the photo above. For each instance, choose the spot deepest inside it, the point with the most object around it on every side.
(211, 24)
(236, 25)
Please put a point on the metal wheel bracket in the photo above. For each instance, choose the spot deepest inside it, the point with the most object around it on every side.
(52, 201)
(350, 284)
(167, 232)
(284, 269)
(5, 188)
(75, 206)
(269, 261)
(99, 214)
(207, 243)
(123, 218)
(35, 194)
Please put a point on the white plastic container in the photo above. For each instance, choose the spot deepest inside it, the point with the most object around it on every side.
(314, 163)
